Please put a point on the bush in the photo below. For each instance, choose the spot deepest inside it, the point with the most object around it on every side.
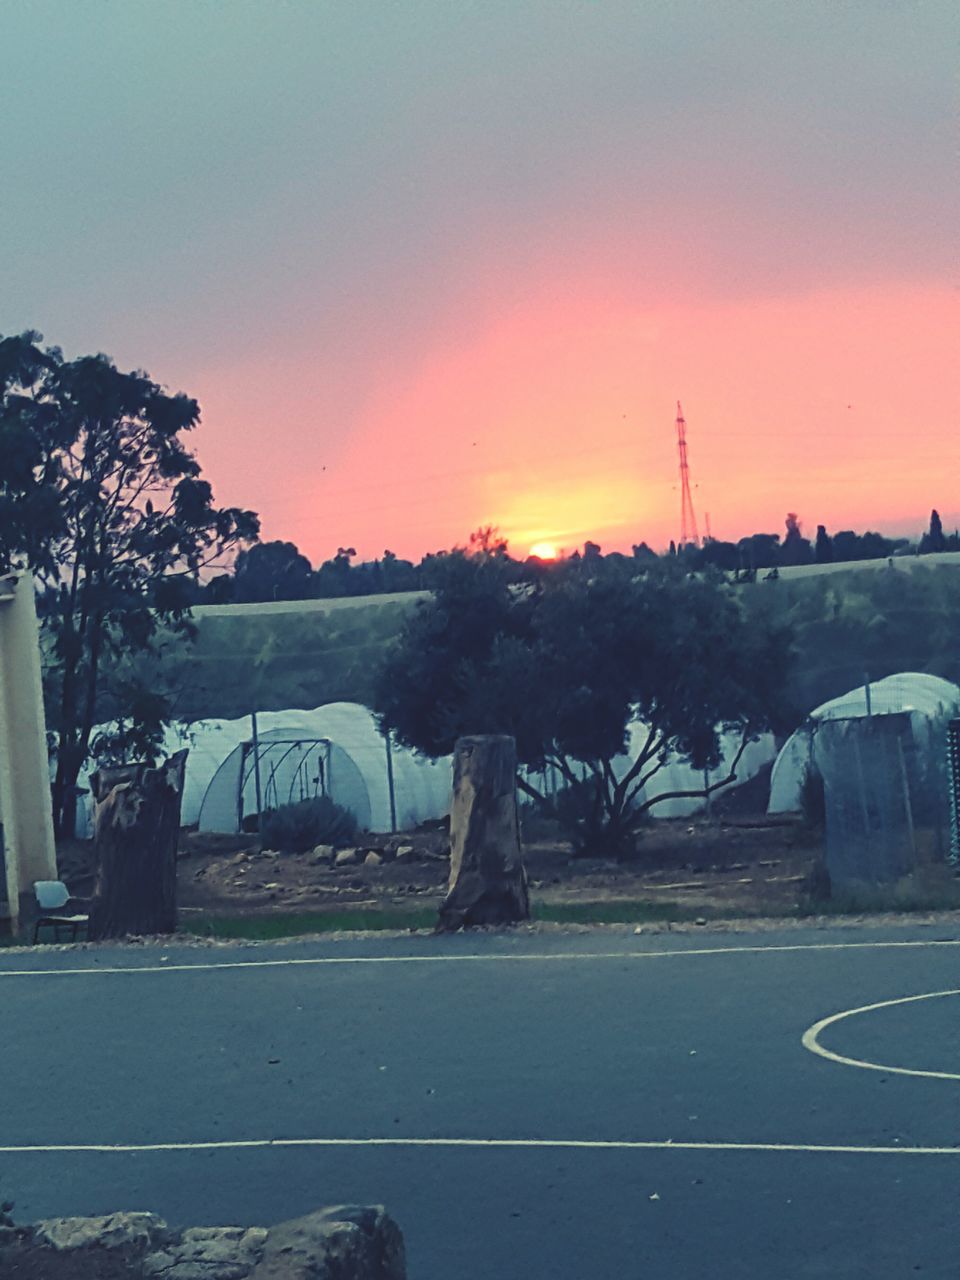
(294, 828)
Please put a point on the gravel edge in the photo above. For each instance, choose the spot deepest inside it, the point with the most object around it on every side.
(747, 924)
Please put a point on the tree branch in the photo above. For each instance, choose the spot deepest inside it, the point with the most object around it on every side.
(650, 748)
(702, 791)
(531, 791)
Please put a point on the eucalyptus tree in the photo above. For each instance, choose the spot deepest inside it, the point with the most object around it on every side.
(101, 496)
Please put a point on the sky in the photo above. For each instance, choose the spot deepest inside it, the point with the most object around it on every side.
(429, 266)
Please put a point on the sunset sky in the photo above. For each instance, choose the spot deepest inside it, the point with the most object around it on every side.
(428, 266)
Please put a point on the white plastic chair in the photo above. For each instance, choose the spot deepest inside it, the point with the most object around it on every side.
(52, 897)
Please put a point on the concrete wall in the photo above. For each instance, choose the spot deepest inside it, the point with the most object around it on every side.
(25, 810)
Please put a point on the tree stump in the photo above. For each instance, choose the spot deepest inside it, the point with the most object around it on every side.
(135, 843)
(488, 884)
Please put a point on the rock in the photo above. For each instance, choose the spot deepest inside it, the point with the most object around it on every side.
(373, 859)
(362, 1243)
(135, 1232)
(324, 853)
(406, 853)
(209, 1253)
(488, 883)
(269, 853)
(349, 1242)
(347, 858)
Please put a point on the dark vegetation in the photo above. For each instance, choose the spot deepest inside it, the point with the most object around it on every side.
(294, 828)
(279, 571)
(567, 665)
(101, 496)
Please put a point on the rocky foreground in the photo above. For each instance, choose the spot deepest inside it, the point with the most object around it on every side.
(347, 1242)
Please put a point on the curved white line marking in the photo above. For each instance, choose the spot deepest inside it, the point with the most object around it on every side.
(531, 957)
(573, 1144)
(811, 1038)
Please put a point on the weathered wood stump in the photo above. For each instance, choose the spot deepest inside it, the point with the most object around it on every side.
(135, 843)
(488, 884)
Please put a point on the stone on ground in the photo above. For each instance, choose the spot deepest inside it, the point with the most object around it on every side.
(348, 1242)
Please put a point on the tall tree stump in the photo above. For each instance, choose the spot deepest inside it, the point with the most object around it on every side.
(488, 884)
(135, 842)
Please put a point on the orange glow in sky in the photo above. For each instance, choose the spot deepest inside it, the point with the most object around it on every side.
(430, 267)
(554, 421)
(544, 550)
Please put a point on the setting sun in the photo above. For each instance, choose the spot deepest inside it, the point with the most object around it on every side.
(544, 551)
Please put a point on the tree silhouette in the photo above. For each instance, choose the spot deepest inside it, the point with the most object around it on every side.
(102, 498)
(823, 551)
(566, 669)
(933, 539)
(796, 548)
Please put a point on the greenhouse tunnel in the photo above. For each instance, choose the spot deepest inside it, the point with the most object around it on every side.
(337, 748)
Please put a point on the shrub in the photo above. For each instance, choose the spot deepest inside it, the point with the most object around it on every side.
(294, 828)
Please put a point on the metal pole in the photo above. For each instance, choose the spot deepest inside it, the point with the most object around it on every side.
(390, 788)
(256, 766)
(866, 689)
(907, 807)
(953, 767)
(863, 853)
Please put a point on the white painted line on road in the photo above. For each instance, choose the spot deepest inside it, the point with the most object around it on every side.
(564, 1144)
(495, 957)
(811, 1038)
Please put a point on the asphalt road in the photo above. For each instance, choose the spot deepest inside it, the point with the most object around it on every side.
(488, 1089)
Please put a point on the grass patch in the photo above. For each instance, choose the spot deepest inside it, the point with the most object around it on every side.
(940, 894)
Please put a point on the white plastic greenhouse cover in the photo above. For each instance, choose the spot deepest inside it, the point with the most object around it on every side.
(924, 695)
(677, 775)
(421, 786)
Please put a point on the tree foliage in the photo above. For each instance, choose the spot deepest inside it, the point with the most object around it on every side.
(102, 498)
(567, 664)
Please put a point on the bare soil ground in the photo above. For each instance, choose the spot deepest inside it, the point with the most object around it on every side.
(737, 867)
(737, 863)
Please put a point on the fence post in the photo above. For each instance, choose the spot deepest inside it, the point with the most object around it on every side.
(953, 766)
(256, 766)
(390, 786)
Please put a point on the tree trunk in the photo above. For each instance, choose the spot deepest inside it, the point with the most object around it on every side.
(137, 825)
(488, 884)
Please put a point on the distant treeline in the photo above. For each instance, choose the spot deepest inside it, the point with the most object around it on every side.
(279, 570)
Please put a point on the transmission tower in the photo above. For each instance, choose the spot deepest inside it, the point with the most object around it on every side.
(688, 521)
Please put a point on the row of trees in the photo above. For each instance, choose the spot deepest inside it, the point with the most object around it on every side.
(280, 571)
(769, 551)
